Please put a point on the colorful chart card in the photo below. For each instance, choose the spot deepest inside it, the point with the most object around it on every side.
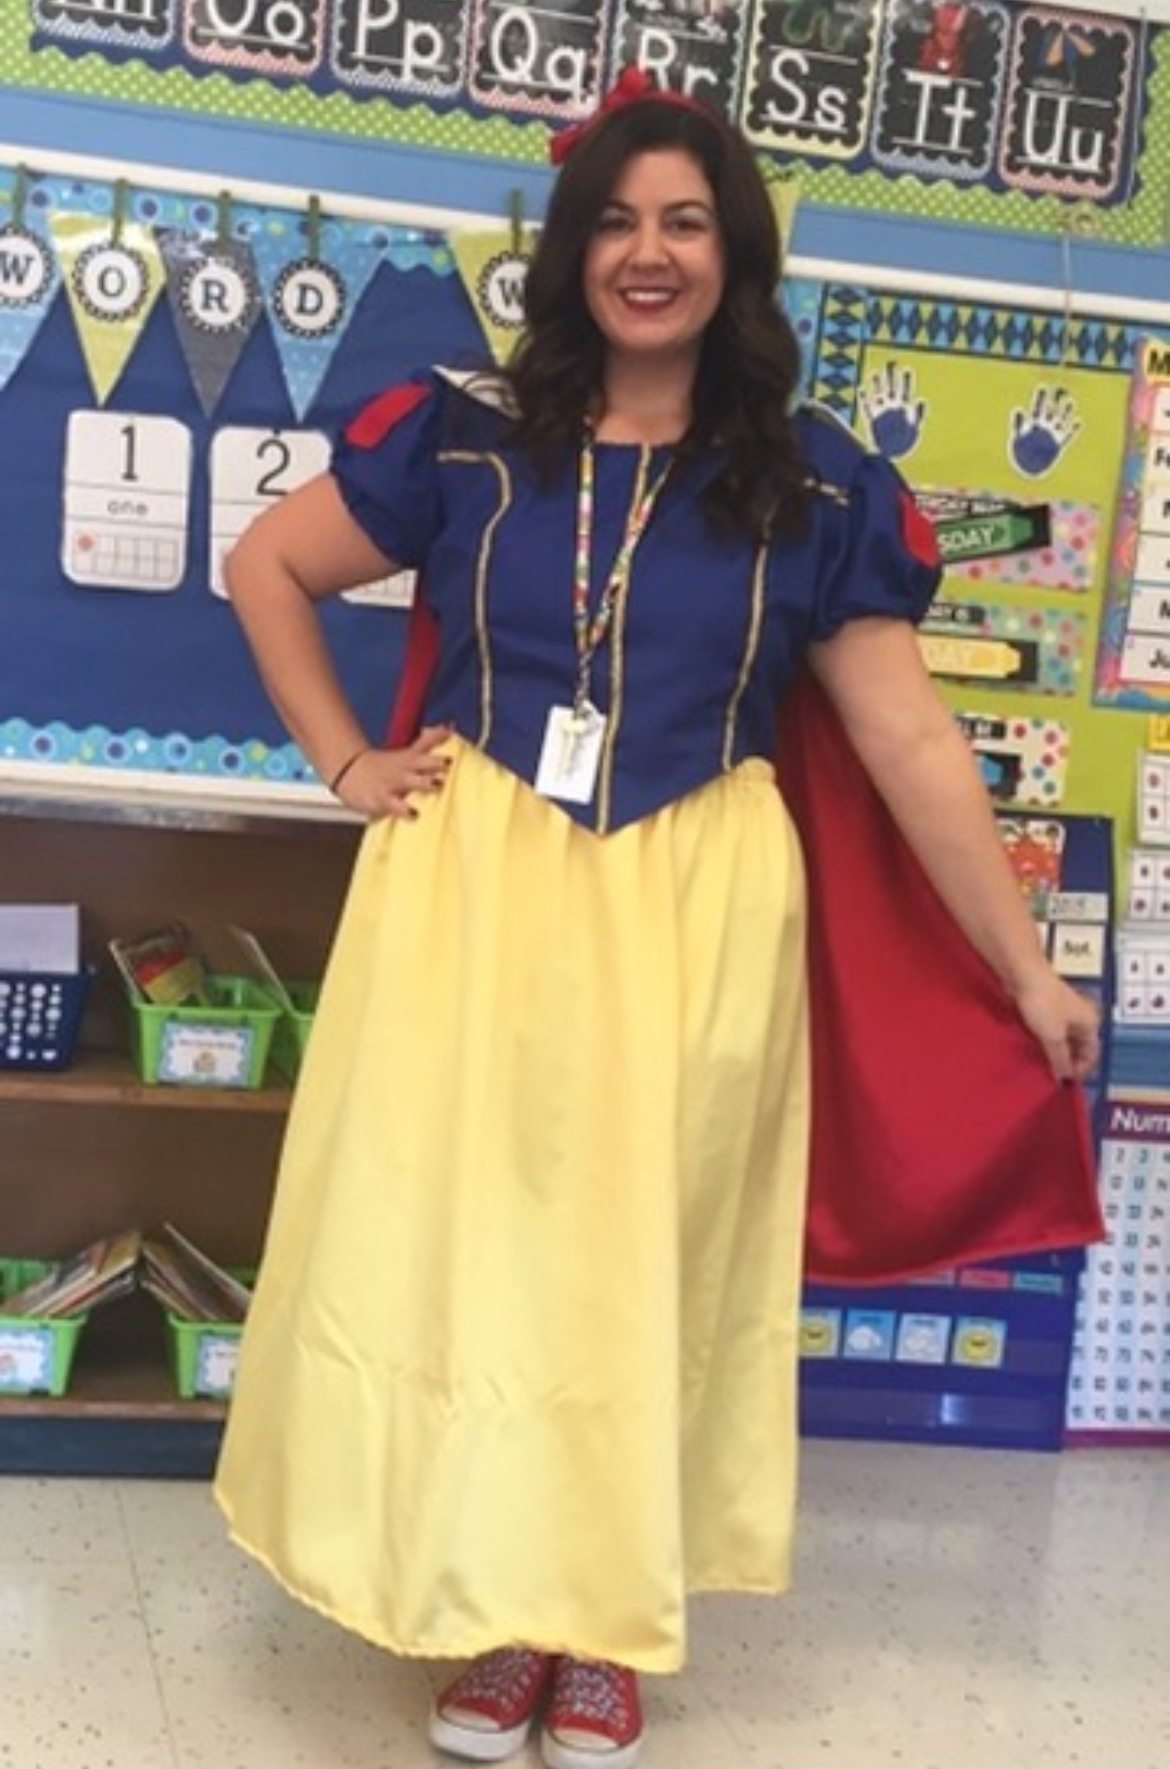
(988, 538)
(1033, 650)
(1143, 977)
(1133, 663)
(1154, 799)
(1023, 761)
(126, 492)
(1149, 886)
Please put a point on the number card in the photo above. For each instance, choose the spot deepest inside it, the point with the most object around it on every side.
(127, 490)
(250, 470)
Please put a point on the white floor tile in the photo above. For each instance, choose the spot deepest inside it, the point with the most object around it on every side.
(954, 1610)
(79, 1688)
(62, 1522)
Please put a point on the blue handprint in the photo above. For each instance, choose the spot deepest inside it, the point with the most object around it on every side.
(1042, 434)
(894, 416)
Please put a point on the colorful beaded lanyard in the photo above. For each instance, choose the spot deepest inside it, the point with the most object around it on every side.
(591, 634)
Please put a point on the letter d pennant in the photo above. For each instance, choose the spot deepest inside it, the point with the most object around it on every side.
(311, 293)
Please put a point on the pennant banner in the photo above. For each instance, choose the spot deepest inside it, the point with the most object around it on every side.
(494, 267)
(28, 283)
(112, 284)
(215, 298)
(310, 298)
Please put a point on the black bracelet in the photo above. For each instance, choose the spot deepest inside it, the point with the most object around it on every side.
(346, 766)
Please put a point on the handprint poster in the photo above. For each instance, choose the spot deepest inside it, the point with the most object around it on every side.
(1009, 426)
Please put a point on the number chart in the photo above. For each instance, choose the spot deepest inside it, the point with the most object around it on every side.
(1120, 1378)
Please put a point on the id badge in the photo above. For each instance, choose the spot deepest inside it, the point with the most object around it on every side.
(570, 756)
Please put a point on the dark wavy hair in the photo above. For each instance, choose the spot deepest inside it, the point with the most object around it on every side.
(749, 364)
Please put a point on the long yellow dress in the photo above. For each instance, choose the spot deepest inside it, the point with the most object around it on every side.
(521, 1363)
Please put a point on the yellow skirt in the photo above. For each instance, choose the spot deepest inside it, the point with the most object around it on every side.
(521, 1363)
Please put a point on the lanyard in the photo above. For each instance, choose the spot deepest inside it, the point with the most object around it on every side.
(590, 634)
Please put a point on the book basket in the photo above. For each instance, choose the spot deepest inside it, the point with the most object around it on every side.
(291, 1036)
(40, 1017)
(36, 1354)
(204, 1353)
(223, 1045)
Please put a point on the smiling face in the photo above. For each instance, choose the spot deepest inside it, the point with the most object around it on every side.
(654, 270)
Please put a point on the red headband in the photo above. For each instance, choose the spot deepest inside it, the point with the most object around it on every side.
(634, 87)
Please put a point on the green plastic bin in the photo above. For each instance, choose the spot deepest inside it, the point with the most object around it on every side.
(225, 1045)
(292, 1031)
(36, 1353)
(204, 1353)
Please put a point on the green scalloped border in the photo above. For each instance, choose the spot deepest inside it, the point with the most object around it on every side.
(215, 96)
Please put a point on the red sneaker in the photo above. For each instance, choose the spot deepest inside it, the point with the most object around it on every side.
(594, 1719)
(486, 1713)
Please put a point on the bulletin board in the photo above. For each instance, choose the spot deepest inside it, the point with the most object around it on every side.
(120, 662)
(1013, 411)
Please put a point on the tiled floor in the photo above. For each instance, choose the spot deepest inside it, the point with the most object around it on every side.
(956, 1610)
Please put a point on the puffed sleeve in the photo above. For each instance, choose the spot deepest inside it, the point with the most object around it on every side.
(386, 464)
(884, 559)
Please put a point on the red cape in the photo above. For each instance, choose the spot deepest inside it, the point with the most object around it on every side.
(939, 1137)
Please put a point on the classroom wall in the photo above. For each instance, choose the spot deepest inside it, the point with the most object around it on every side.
(1092, 280)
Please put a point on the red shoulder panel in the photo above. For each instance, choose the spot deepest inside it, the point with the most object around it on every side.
(918, 533)
(376, 420)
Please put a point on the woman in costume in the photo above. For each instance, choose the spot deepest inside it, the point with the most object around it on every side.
(520, 1372)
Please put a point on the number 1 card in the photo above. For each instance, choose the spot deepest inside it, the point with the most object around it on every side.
(127, 489)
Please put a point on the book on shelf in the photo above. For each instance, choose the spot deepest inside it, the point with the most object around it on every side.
(101, 1272)
(164, 967)
(168, 1265)
(187, 1282)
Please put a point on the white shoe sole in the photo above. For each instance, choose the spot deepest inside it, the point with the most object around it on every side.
(574, 1756)
(490, 1745)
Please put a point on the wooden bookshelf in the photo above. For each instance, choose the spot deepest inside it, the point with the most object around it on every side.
(128, 1155)
(108, 1078)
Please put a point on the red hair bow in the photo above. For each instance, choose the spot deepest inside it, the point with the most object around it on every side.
(633, 87)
